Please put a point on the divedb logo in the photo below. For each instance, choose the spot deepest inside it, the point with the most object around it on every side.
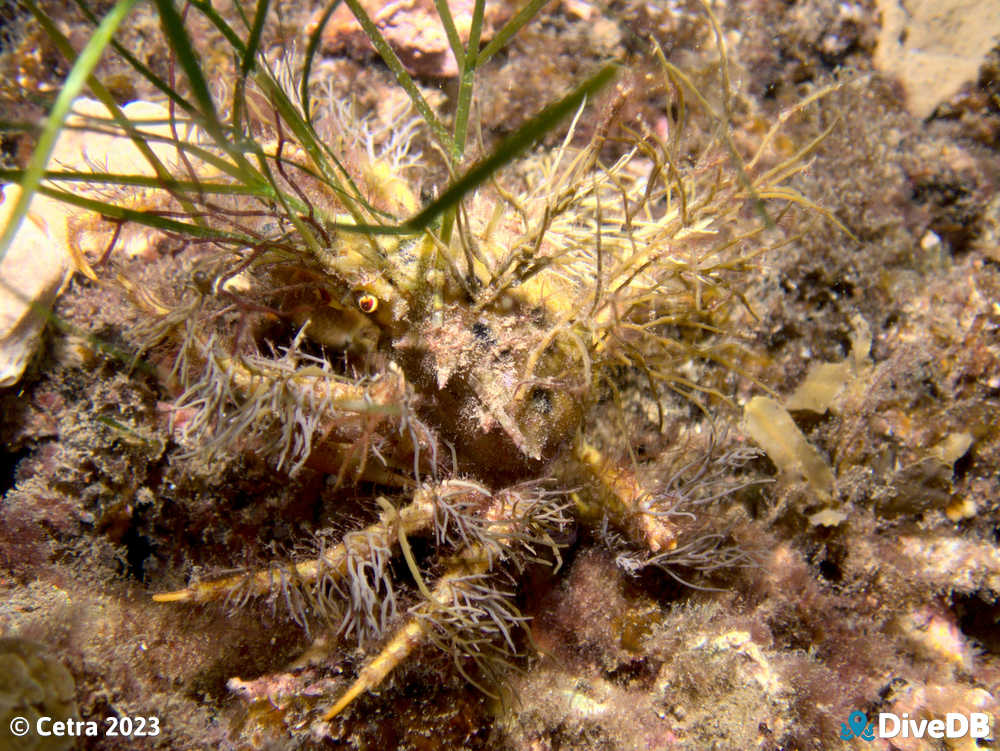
(889, 725)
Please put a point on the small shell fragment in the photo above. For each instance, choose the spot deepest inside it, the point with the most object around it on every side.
(828, 517)
(31, 275)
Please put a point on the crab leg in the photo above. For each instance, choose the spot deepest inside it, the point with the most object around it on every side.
(619, 495)
(415, 517)
(412, 634)
(507, 518)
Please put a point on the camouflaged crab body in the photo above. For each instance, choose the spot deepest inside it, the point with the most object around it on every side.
(470, 364)
(460, 371)
(504, 384)
(483, 353)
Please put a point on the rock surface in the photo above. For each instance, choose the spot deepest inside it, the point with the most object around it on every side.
(412, 28)
(935, 47)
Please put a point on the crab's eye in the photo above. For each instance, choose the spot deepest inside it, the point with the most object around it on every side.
(202, 281)
(368, 303)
